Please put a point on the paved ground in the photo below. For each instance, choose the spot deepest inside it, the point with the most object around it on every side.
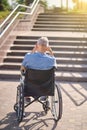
(74, 109)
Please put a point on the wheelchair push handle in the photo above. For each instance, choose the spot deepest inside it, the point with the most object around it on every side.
(23, 73)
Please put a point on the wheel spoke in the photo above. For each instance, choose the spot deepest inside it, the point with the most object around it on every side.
(55, 103)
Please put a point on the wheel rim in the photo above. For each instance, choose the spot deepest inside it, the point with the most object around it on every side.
(55, 104)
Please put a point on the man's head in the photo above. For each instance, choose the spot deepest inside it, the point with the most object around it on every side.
(42, 44)
(43, 41)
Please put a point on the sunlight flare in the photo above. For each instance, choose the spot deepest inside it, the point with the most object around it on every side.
(83, 0)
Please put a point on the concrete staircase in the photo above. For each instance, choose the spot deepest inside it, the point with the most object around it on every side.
(70, 51)
(61, 22)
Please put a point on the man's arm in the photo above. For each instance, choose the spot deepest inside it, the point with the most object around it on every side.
(34, 49)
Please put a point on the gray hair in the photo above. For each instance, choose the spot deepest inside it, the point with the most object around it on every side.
(43, 41)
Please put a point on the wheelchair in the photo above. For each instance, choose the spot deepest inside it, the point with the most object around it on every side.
(37, 83)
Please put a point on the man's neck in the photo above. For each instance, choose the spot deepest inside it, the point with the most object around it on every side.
(41, 51)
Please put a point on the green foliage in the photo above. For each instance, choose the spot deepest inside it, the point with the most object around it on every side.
(4, 5)
(28, 2)
(44, 3)
(20, 1)
(4, 2)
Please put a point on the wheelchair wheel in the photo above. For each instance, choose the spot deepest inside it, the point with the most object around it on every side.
(16, 107)
(56, 103)
(19, 106)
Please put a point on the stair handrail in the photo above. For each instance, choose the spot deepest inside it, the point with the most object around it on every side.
(31, 7)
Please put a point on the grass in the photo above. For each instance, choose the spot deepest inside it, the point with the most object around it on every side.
(4, 14)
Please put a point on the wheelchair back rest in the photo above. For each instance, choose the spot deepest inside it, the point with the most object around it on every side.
(39, 76)
(39, 82)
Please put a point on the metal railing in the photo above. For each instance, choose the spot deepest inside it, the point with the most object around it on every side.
(5, 25)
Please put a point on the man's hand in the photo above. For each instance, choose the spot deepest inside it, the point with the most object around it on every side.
(50, 51)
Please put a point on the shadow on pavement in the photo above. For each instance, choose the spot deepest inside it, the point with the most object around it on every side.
(32, 121)
(77, 93)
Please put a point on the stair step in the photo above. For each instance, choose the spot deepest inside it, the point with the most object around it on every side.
(59, 26)
(63, 15)
(71, 76)
(60, 22)
(54, 47)
(62, 38)
(10, 66)
(56, 53)
(9, 75)
(77, 61)
(70, 67)
(17, 53)
(62, 19)
(59, 60)
(60, 76)
(13, 59)
(60, 67)
(10, 72)
(59, 29)
(21, 47)
(82, 43)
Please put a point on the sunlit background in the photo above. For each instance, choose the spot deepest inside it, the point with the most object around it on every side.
(69, 4)
(58, 3)
(72, 4)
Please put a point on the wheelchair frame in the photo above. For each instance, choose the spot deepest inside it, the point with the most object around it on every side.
(55, 107)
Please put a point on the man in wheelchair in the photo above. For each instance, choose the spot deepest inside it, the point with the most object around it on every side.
(39, 81)
(41, 58)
